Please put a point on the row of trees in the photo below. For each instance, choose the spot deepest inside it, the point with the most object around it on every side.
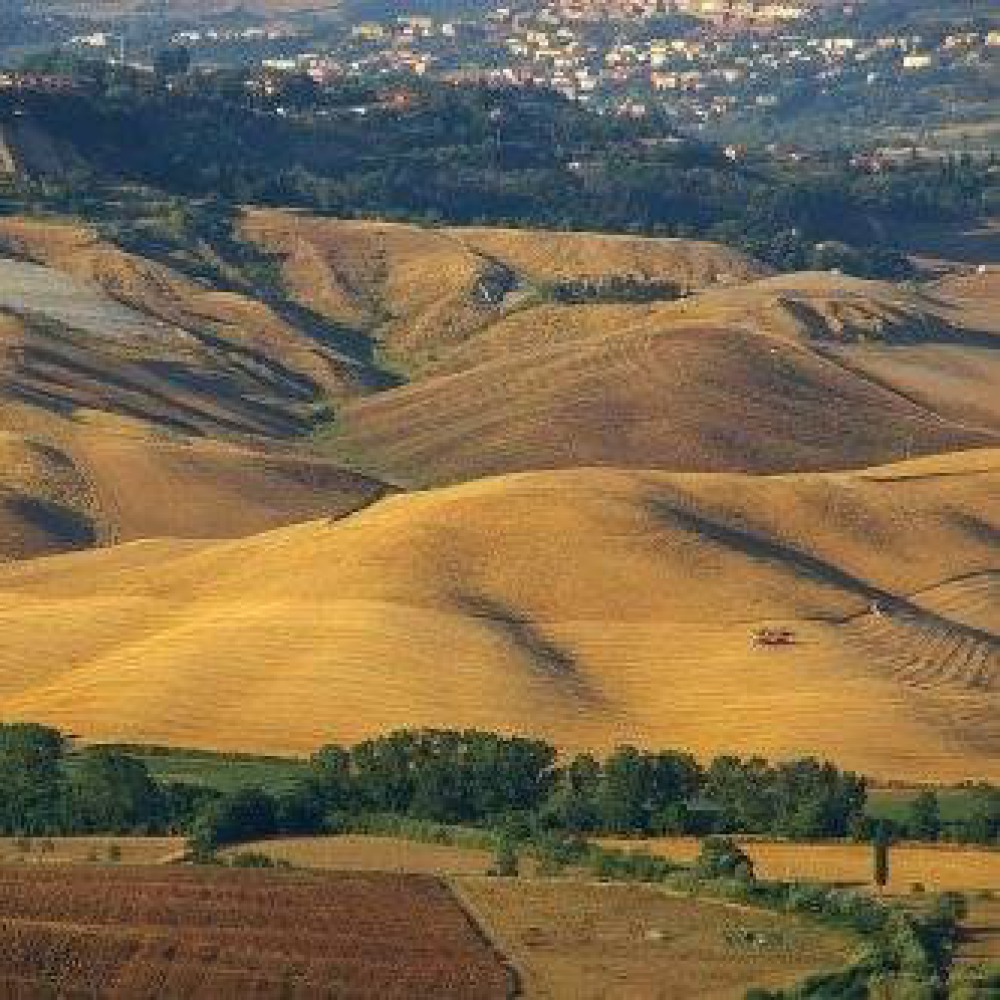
(477, 778)
(978, 821)
(446, 776)
(470, 778)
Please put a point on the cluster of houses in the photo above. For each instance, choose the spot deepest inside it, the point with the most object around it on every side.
(629, 57)
(702, 75)
(48, 83)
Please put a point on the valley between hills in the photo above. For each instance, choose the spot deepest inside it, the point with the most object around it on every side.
(445, 477)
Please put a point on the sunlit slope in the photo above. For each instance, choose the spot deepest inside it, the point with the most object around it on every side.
(96, 479)
(422, 292)
(689, 397)
(589, 606)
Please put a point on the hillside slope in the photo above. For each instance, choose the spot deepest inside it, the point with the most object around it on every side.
(86, 324)
(97, 479)
(421, 292)
(589, 606)
(46, 506)
(799, 372)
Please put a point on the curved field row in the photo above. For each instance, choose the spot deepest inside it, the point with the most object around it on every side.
(692, 398)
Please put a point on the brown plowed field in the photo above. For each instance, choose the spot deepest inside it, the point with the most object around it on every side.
(122, 934)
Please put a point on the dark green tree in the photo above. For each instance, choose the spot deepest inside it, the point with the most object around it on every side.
(244, 814)
(30, 778)
(111, 792)
(924, 819)
(880, 857)
(722, 857)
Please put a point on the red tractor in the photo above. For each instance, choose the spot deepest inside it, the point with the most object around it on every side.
(767, 636)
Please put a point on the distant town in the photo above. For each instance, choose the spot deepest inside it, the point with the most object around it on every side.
(706, 65)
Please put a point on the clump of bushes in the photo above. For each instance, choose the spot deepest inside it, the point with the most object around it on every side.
(256, 859)
(722, 857)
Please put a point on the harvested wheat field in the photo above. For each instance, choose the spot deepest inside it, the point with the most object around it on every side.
(937, 867)
(422, 292)
(588, 607)
(581, 940)
(701, 398)
(46, 505)
(88, 325)
(215, 935)
(70, 483)
(90, 850)
(789, 373)
(351, 852)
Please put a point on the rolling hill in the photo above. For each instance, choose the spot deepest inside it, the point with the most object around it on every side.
(799, 372)
(670, 472)
(90, 325)
(420, 291)
(98, 480)
(588, 606)
(46, 506)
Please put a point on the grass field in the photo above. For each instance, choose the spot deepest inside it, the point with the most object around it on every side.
(935, 867)
(350, 852)
(223, 935)
(894, 803)
(224, 772)
(587, 941)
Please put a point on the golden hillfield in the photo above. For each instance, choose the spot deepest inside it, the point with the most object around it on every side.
(424, 490)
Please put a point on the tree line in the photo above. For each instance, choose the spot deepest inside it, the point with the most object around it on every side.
(467, 778)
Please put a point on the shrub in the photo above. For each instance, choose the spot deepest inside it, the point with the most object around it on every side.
(975, 982)
(904, 986)
(722, 857)
(505, 861)
(241, 815)
(256, 859)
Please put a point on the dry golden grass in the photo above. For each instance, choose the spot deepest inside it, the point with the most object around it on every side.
(197, 359)
(650, 392)
(938, 867)
(350, 852)
(733, 378)
(416, 288)
(46, 505)
(580, 940)
(589, 607)
(90, 850)
(122, 480)
(754, 373)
